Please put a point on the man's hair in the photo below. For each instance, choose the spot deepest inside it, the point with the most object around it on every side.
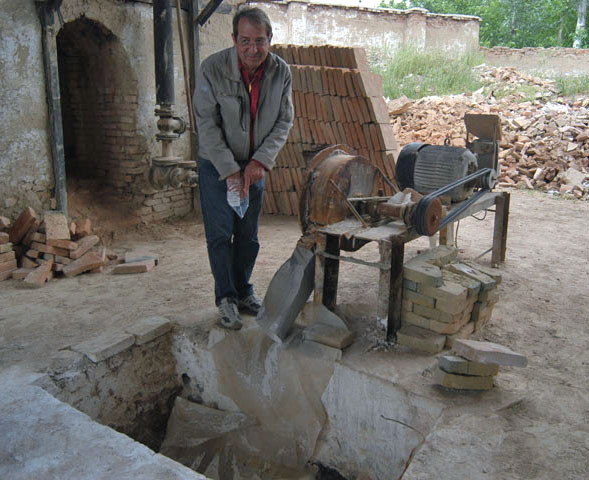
(254, 15)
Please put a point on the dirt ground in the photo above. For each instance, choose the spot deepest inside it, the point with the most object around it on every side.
(543, 312)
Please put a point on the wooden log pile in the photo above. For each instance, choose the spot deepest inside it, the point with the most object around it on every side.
(337, 100)
(39, 248)
(545, 142)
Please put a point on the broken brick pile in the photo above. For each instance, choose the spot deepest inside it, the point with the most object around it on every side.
(51, 245)
(337, 100)
(545, 143)
(474, 365)
(34, 250)
(444, 300)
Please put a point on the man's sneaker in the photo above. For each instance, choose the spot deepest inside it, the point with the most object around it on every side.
(250, 304)
(228, 315)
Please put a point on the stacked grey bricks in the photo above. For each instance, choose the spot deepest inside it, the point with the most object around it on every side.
(474, 365)
(444, 299)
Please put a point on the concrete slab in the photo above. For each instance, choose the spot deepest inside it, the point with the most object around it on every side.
(146, 329)
(105, 346)
(45, 438)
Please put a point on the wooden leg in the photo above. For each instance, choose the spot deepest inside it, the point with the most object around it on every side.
(320, 243)
(499, 249)
(396, 290)
(331, 272)
(384, 285)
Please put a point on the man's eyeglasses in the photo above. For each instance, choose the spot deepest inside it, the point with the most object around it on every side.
(246, 42)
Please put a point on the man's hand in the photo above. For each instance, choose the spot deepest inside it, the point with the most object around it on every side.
(254, 172)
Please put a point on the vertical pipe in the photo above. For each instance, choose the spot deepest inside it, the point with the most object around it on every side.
(54, 105)
(164, 52)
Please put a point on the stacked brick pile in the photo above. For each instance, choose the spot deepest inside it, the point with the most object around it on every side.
(444, 300)
(7, 255)
(337, 100)
(52, 245)
(474, 365)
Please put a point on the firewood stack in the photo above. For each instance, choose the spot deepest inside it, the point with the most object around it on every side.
(337, 100)
(46, 247)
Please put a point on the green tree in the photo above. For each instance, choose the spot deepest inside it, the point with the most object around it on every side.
(513, 23)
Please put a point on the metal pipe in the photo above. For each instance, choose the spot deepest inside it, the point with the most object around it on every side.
(164, 52)
(46, 15)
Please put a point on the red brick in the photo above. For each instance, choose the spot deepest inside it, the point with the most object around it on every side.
(84, 244)
(62, 243)
(38, 277)
(21, 273)
(56, 226)
(8, 266)
(88, 261)
(135, 267)
(83, 227)
(4, 223)
(22, 224)
(6, 247)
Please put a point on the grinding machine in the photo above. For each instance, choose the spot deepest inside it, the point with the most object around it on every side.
(342, 185)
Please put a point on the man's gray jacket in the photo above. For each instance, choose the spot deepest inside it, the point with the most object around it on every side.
(223, 115)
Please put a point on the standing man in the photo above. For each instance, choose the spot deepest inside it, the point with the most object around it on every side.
(243, 106)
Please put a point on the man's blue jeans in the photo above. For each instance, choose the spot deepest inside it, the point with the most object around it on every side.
(232, 242)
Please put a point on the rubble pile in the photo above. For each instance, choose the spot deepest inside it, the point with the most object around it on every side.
(34, 249)
(545, 143)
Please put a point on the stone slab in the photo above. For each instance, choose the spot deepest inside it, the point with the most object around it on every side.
(438, 256)
(4, 238)
(465, 332)
(437, 315)
(412, 318)
(473, 286)
(328, 335)
(420, 339)
(44, 438)
(487, 283)
(419, 298)
(135, 267)
(26, 262)
(447, 292)
(423, 273)
(141, 256)
(463, 382)
(462, 366)
(488, 352)
(148, 329)
(105, 346)
(56, 226)
(494, 273)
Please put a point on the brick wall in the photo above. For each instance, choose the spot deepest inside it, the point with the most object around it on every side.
(100, 117)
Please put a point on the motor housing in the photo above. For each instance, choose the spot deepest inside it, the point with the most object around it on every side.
(427, 168)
